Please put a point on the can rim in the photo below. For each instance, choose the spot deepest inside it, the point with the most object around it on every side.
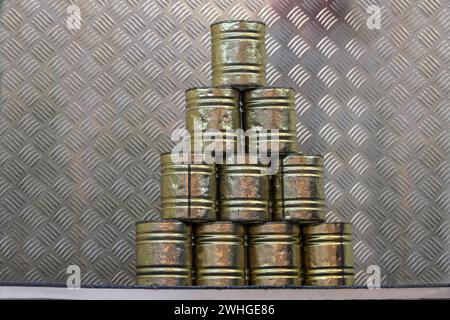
(241, 87)
(170, 152)
(274, 222)
(238, 20)
(194, 159)
(266, 228)
(158, 221)
(211, 87)
(270, 87)
(214, 227)
(306, 154)
(330, 222)
(303, 155)
(217, 222)
(342, 227)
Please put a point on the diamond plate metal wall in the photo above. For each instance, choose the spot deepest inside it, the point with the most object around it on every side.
(85, 114)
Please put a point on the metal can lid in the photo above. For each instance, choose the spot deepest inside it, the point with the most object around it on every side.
(328, 228)
(162, 226)
(274, 227)
(270, 92)
(227, 91)
(303, 159)
(244, 160)
(231, 25)
(220, 227)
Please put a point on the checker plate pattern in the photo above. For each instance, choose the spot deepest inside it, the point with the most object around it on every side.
(85, 114)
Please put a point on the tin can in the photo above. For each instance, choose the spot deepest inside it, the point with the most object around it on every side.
(328, 254)
(274, 254)
(213, 116)
(188, 190)
(220, 254)
(299, 189)
(238, 54)
(163, 253)
(244, 192)
(270, 114)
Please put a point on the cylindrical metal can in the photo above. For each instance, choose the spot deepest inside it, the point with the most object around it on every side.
(271, 116)
(244, 191)
(163, 253)
(274, 254)
(188, 190)
(212, 116)
(238, 53)
(220, 254)
(328, 254)
(299, 189)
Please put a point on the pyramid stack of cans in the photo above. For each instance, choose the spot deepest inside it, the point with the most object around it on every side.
(233, 224)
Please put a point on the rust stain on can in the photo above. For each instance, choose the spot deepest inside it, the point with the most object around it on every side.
(188, 190)
(220, 254)
(274, 254)
(244, 192)
(215, 113)
(299, 189)
(163, 254)
(238, 54)
(267, 110)
(328, 254)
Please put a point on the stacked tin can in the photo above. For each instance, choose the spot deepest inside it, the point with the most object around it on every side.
(233, 224)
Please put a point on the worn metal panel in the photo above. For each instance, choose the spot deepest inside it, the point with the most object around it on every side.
(85, 114)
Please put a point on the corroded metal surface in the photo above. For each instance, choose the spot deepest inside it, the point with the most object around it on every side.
(85, 114)
(163, 254)
(271, 110)
(244, 192)
(188, 190)
(214, 114)
(274, 256)
(299, 189)
(238, 53)
(220, 254)
(328, 254)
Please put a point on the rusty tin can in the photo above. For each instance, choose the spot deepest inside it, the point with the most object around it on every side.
(238, 54)
(220, 254)
(244, 192)
(163, 253)
(213, 116)
(271, 116)
(274, 255)
(328, 254)
(188, 190)
(299, 189)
